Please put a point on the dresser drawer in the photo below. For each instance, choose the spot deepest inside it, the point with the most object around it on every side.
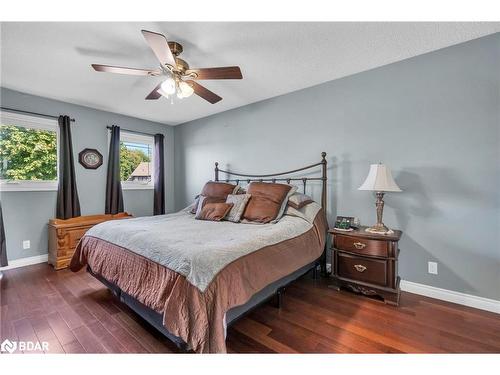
(74, 236)
(362, 246)
(61, 263)
(352, 267)
(65, 252)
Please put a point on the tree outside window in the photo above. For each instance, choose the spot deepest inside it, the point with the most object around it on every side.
(136, 160)
(131, 157)
(27, 154)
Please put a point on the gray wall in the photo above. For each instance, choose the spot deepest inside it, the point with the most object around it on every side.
(26, 213)
(434, 119)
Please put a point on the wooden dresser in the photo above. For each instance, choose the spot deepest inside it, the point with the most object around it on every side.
(65, 234)
(367, 263)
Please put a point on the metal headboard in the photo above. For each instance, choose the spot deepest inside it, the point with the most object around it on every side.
(273, 177)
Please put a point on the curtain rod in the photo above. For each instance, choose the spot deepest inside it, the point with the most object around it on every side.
(133, 131)
(33, 113)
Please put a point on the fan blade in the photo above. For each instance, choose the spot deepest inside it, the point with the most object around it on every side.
(226, 72)
(153, 95)
(159, 45)
(205, 93)
(122, 70)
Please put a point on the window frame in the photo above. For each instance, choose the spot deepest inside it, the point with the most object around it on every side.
(37, 123)
(131, 137)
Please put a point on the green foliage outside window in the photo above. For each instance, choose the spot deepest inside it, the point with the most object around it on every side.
(27, 154)
(130, 159)
(31, 154)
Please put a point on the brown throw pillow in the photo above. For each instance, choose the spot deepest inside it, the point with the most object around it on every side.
(218, 189)
(292, 191)
(265, 203)
(299, 200)
(213, 211)
(215, 189)
(203, 200)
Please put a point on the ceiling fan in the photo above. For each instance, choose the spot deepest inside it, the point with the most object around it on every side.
(180, 79)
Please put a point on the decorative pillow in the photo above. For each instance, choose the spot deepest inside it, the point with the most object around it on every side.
(299, 200)
(265, 204)
(203, 200)
(213, 211)
(210, 208)
(292, 191)
(239, 202)
(217, 190)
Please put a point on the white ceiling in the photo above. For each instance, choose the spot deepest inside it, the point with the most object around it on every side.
(53, 59)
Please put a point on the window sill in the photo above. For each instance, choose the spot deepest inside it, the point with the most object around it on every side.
(28, 186)
(137, 187)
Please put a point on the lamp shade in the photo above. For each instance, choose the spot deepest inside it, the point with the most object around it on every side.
(379, 179)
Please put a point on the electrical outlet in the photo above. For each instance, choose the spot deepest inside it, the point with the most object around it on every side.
(328, 267)
(26, 244)
(432, 268)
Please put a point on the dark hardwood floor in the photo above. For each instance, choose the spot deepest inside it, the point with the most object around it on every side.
(75, 314)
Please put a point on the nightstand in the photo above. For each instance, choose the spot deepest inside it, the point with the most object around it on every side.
(366, 263)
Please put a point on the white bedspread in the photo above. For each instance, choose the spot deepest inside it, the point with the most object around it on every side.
(194, 248)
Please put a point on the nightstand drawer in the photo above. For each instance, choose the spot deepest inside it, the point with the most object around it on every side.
(361, 245)
(362, 269)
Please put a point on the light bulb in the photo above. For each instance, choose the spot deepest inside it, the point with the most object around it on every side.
(180, 95)
(168, 86)
(185, 89)
(163, 93)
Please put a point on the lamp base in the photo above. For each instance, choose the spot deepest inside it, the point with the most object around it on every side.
(379, 229)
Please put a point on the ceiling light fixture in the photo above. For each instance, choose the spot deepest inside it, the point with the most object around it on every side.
(179, 78)
(172, 86)
(168, 86)
(185, 90)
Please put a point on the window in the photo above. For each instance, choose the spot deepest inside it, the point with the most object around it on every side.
(28, 152)
(136, 160)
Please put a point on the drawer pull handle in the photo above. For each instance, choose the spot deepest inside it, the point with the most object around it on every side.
(359, 267)
(359, 245)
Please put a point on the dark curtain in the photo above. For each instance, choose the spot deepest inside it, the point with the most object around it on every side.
(114, 194)
(3, 245)
(68, 204)
(159, 177)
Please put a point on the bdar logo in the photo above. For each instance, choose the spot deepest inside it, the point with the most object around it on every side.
(8, 346)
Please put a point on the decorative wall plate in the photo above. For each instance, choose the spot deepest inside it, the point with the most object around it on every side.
(90, 158)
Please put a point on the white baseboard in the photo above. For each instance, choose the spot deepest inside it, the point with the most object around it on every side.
(16, 263)
(481, 303)
(451, 296)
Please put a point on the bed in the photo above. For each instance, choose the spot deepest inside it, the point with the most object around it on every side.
(192, 279)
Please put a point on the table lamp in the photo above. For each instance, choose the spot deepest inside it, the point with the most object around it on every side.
(380, 181)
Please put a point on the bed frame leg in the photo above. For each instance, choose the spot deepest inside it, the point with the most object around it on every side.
(322, 262)
(315, 274)
(279, 297)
